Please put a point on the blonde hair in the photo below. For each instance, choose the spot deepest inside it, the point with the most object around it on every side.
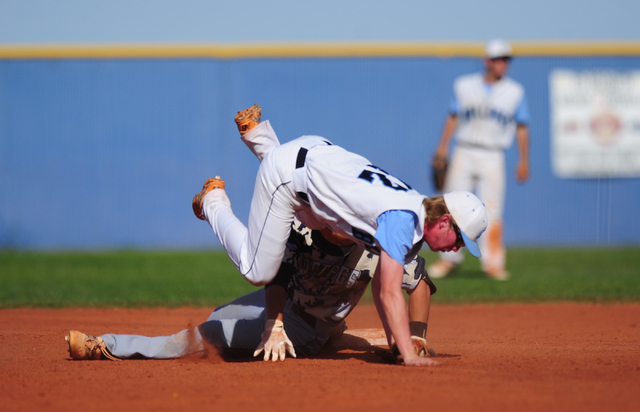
(435, 208)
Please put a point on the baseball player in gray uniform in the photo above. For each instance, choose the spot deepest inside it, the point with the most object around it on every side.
(321, 279)
(325, 186)
(324, 284)
(488, 109)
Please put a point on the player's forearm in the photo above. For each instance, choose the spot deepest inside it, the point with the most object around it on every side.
(522, 170)
(274, 340)
(275, 297)
(393, 304)
(395, 310)
(522, 137)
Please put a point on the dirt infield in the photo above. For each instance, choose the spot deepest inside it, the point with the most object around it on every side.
(564, 357)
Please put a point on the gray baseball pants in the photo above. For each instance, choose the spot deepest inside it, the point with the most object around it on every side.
(237, 325)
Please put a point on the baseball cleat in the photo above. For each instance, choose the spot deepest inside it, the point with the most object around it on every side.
(87, 347)
(440, 269)
(209, 185)
(249, 118)
(498, 274)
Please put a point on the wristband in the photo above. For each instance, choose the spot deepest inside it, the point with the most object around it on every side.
(274, 324)
(418, 329)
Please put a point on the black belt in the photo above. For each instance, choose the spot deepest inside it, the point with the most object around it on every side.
(302, 156)
(310, 319)
(302, 314)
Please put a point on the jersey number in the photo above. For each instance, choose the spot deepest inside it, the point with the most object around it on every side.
(385, 178)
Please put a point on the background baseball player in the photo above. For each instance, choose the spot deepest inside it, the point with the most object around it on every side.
(321, 279)
(325, 186)
(487, 110)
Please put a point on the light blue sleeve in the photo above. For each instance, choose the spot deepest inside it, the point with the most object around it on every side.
(522, 112)
(395, 233)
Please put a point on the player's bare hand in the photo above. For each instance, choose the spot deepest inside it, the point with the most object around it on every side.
(275, 342)
(420, 361)
(420, 351)
(522, 173)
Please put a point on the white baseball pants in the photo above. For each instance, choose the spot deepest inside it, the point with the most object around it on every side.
(482, 171)
(257, 250)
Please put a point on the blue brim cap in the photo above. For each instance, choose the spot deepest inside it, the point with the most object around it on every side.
(471, 245)
(470, 216)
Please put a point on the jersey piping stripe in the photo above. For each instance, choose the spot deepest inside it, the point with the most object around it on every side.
(264, 224)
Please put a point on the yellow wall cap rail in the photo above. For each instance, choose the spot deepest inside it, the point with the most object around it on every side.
(306, 50)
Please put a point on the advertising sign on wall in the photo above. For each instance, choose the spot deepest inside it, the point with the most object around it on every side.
(595, 123)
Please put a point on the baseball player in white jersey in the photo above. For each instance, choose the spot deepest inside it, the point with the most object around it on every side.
(488, 109)
(325, 186)
(321, 279)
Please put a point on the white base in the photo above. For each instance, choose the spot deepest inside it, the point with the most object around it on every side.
(355, 338)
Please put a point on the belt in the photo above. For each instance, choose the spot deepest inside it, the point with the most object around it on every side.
(302, 314)
(479, 146)
(302, 156)
(311, 320)
(300, 159)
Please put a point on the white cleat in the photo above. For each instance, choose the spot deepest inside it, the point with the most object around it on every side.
(440, 269)
(498, 274)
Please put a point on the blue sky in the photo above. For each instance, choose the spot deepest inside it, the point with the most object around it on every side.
(227, 21)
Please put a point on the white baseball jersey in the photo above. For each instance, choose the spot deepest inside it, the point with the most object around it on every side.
(486, 114)
(329, 187)
(348, 194)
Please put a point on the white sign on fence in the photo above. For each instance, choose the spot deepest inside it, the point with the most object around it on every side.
(595, 123)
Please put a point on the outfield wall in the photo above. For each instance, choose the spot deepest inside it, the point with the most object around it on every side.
(104, 147)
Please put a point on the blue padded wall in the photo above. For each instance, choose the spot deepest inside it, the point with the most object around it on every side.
(108, 153)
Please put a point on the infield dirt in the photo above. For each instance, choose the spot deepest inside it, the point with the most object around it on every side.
(511, 357)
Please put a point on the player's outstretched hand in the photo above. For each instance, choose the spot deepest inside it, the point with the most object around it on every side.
(275, 342)
(420, 351)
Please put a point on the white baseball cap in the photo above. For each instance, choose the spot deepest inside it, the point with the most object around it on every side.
(470, 216)
(497, 48)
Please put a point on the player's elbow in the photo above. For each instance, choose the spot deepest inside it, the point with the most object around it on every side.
(255, 279)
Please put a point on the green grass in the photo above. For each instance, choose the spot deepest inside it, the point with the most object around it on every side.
(137, 279)
(588, 275)
(128, 278)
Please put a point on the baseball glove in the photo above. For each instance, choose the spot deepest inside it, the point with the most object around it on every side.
(439, 172)
(419, 345)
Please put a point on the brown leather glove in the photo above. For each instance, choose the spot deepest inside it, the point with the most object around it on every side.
(439, 167)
